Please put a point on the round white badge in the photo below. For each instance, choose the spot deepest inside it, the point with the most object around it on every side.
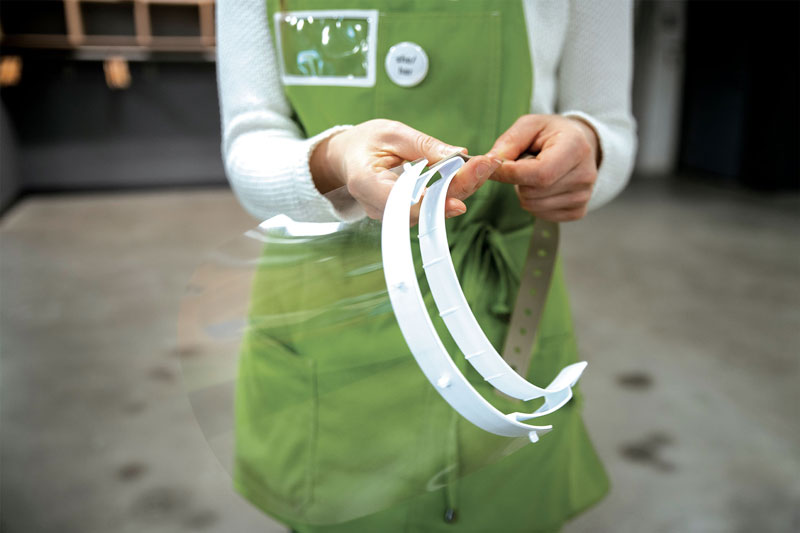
(406, 64)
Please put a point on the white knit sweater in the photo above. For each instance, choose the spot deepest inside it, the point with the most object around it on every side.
(582, 56)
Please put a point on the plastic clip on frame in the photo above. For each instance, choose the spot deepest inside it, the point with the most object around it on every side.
(416, 324)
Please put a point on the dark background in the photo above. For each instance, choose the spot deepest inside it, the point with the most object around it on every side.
(741, 94)
(64, 129)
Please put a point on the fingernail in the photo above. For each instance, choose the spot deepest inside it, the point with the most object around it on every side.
(455, 212)
(450, 150)
(497, 158)
(483, 170)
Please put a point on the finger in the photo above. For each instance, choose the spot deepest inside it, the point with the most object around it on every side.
(454, 207)
(562, 215)
(568, 201)
(577, 180)
(471, 176)
(372, 193)
(413, 217)
(553, 163)
(526, 192)
(411, 144)
(519, 137)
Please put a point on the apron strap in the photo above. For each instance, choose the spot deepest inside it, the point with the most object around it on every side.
(533, 288)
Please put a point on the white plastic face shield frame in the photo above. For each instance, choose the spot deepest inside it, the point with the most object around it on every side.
(418, 329)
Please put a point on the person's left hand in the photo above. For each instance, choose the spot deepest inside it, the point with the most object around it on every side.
(557, 184)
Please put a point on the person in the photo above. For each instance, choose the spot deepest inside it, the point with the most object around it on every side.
(500, 79)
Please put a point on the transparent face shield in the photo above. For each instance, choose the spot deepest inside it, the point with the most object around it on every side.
(330, 396)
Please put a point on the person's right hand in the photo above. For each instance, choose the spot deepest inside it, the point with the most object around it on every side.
(361, 158)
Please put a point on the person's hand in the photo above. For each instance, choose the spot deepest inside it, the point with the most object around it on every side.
(360, 158)
(557, 184)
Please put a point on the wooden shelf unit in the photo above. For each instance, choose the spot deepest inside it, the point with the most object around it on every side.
(136, 46)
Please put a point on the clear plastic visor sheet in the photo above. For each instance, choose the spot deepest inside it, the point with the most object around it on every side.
(304, 386)
(327, 47)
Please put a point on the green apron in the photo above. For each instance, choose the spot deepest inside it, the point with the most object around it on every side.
(336, 427)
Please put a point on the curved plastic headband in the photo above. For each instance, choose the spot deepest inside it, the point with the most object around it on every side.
(416, 324)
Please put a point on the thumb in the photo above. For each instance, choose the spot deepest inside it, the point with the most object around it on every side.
(411, 144)
(519, 137)
(472, 176)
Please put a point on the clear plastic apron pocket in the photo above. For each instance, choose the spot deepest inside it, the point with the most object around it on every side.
(327, 47)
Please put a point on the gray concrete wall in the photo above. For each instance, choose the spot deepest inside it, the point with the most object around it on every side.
(657, 88)
(76, 133)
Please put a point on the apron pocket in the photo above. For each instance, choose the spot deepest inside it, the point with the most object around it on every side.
(276, 409)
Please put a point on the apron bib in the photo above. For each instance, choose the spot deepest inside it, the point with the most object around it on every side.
(305, 452)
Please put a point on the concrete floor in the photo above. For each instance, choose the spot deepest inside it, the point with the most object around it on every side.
(686, 303)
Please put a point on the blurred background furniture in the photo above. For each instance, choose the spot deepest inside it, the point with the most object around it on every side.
(96, 28)
(107, 94)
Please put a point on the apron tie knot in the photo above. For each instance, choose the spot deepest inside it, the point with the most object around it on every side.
(482, 259)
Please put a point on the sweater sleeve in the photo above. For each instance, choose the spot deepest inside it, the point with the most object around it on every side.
(264, 151)
(594, 84)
